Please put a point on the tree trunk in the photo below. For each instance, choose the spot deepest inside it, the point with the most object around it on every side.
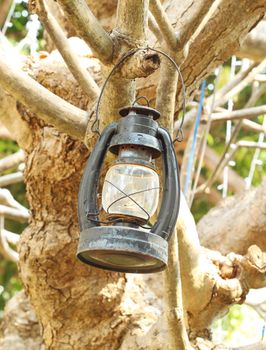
(80, 307)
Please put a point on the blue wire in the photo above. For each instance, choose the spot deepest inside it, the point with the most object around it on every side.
(193, 147)
(263, 330)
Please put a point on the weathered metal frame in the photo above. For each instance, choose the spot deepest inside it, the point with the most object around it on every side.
(120, 237)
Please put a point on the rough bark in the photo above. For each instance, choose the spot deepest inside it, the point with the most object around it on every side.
(80, 306)
(20, 328)
(236, 223)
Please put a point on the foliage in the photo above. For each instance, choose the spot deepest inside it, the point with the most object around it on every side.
(242, 325)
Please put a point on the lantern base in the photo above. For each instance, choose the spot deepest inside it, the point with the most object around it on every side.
(123, 249)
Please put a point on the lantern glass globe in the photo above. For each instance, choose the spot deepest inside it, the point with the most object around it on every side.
(131, 190)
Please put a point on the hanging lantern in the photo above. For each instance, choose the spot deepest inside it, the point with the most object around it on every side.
(124, 240)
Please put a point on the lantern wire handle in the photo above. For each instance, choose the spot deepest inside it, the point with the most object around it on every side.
(143, 98)
(179, 135)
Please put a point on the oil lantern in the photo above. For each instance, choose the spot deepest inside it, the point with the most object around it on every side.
(116, 233)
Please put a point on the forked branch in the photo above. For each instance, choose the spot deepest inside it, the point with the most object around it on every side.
(57, 35)
(88, 27)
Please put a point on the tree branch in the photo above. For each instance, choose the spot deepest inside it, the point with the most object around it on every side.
(255, 346)
(7, 199)
(88, 27)
(153, 26)
(190, 17)
(140, 65)
(239, 114)
(12, 160)
(250, 125)
(11, 179)
(219, 30)
(60, 40)
(174, 311)
(241, 80)
(165, 94)
(130, 32)
(51, 108)
(251, 144)
(218, 281)
(132, 20)
(9, 115)
(167, 30)
(244, 215)
(12, 237)
(14, 214)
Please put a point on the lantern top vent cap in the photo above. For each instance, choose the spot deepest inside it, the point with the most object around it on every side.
(143, 110)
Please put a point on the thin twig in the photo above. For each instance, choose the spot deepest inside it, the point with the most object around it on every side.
(251, 144)
(255, 158)
(260, 77)
(154, 28)
(227, 153)
(11, 179)
(12, 161)
(227, 156)
(12, 237)
(239, 114)
(241, 80)
(250, 125)
(240, 83)
(243, 75)
(7, 199)
(14, 214)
